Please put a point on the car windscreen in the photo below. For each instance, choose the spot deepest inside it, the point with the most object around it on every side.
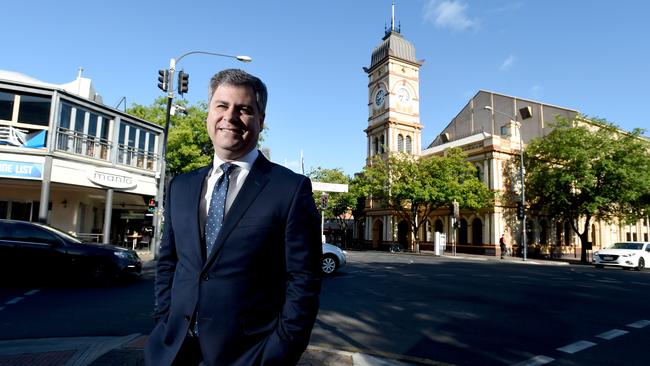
(628, 246)
(61, 233)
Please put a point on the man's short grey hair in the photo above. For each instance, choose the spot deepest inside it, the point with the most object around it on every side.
(237, 77)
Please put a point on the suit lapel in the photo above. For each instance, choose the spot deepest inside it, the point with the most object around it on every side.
(194, 202)
(255, 181)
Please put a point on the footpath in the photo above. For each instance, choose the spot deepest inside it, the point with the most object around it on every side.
(128, 350)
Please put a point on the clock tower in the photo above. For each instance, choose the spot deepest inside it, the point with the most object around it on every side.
(393, 96)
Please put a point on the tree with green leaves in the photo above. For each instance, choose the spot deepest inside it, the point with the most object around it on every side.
(415, 187)
(339, 204)
(588, 169)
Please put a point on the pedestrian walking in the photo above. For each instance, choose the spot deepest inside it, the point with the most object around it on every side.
(502, 245)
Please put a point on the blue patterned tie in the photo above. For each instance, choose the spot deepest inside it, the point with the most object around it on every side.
(217, 207)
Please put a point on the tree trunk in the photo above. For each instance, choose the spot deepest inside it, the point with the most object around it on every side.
(584, 240)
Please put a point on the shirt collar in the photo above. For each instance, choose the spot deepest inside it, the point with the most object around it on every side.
(245, 162)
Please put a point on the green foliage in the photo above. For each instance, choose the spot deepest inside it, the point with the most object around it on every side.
(339, 204)
(588, 169)
(188, 144)
(415, 187)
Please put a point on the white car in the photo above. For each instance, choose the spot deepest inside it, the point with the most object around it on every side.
(625, 254)
(333, 258)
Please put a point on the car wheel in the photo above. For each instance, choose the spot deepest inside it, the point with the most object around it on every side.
(329, 264)
(641, 264)
(599, 266)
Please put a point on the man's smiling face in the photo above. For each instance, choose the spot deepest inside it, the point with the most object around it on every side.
(234, 121)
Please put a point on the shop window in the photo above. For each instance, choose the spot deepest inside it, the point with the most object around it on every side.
(4, 206)
(34, 110)
(6, 105)
(21, 211)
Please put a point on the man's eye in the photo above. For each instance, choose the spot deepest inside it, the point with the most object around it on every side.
(246, 110)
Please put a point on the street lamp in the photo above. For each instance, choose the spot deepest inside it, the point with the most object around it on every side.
(526, 113)
(168, 84)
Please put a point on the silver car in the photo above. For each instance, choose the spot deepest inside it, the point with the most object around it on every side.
(333, 258)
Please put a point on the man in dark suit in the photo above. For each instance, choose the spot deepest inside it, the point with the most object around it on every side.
(238, 274)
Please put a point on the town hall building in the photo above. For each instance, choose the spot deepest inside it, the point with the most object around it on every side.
(487, 129)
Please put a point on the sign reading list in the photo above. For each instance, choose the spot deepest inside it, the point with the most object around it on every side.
(21, 169)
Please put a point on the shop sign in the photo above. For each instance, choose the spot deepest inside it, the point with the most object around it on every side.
(112, 178)
(21, 169)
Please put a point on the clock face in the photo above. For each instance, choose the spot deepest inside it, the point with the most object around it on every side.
(403, 95)
(380, 96)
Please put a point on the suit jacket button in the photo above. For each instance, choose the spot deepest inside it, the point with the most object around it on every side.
(204, 277)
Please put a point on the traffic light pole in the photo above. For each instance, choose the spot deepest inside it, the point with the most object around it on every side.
(160, 194)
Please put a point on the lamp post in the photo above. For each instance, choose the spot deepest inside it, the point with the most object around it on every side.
(526, 113)
(169, 82)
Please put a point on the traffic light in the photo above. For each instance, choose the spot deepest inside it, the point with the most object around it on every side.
(163, 77)
(183, 82)
(323, 200)
(152, 205)
(520, 210)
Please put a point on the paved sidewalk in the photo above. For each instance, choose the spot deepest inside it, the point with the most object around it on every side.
(128, 351)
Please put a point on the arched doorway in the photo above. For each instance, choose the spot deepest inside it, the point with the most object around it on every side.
(543, 232)
(462, 232)
(477, 231)
(377, 233)
(439, 226)
(403, 234)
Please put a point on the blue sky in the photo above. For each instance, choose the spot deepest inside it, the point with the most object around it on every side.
(588, 55)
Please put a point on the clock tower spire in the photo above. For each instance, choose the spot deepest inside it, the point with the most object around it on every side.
(393, 96)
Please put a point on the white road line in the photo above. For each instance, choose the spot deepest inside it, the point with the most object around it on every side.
(14, 300)
(611, 334)
(32, 292)
(640, 283)
(536, 361)
(640, 324)
(576, 347)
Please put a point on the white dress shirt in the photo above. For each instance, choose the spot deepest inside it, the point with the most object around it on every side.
(237, 178)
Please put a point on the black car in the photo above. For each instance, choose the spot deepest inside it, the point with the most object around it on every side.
(33, 250)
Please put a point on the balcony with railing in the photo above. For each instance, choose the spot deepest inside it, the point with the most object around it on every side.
(79, 143)
(95, 147)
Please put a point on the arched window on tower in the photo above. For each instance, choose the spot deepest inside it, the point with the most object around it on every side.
(400, 143)
(375, 147)
(479, 173)
(408, 144)
(381, 144)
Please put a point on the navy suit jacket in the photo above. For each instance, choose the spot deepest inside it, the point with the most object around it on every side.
(256, 295)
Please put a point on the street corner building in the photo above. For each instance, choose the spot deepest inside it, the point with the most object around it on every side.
(69, 160)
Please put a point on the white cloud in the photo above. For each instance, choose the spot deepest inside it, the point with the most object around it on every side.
(450, 14)
(508, 62)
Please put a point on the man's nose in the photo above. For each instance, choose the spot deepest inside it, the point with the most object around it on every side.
(231, 114)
